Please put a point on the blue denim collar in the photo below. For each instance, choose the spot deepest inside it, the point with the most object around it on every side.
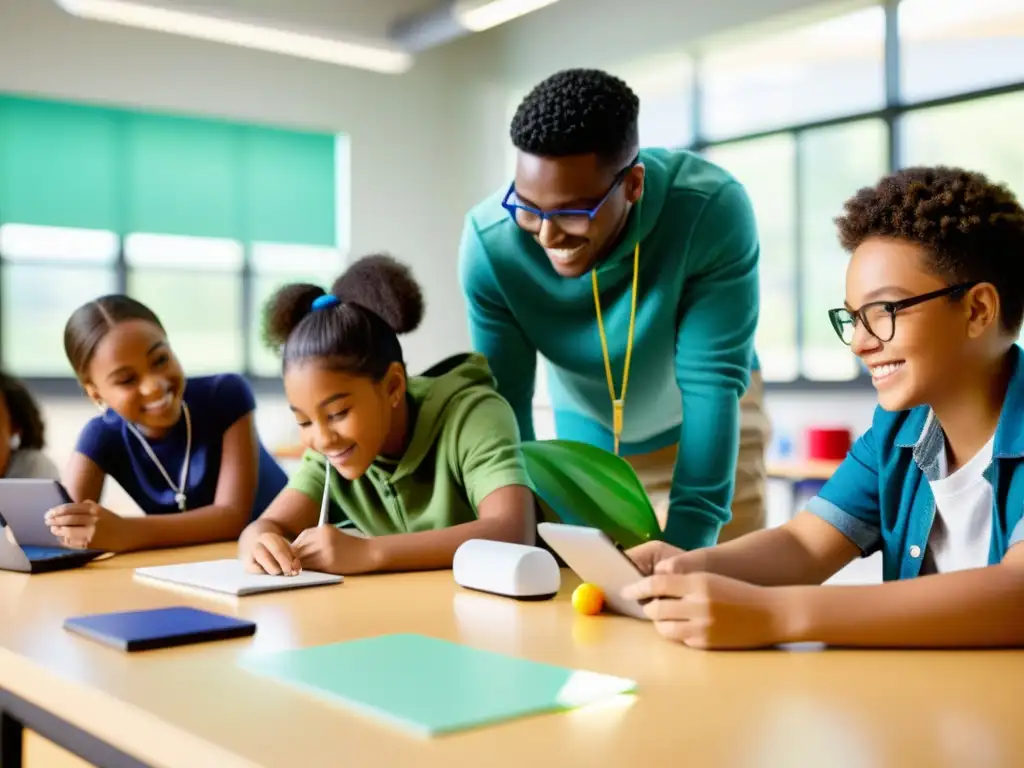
(922, 433)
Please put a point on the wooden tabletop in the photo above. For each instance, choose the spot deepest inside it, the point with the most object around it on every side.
(807, 469)
(193, 706)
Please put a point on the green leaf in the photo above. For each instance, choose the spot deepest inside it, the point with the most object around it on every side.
(586, 485)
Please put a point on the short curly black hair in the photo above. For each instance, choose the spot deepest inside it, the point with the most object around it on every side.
(579, 112)
(971, 228)
(26, 420)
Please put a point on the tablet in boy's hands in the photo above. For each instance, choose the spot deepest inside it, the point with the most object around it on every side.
(595, 559)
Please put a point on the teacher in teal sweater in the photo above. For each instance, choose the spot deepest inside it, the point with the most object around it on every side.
(634, 274)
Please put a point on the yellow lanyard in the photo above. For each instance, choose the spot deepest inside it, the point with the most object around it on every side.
(617, 402)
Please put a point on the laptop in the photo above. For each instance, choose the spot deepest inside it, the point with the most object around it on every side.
(26, 543)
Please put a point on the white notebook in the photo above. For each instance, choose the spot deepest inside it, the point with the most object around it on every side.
(230, 577)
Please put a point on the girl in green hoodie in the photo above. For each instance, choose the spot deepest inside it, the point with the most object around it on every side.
(399, 471)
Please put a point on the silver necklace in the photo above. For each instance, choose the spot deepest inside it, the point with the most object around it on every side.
(179, 491)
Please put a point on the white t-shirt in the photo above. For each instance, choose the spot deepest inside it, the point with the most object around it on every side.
(962, 529)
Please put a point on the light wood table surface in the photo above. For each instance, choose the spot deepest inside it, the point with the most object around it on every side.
(806, 469)
(194, 707)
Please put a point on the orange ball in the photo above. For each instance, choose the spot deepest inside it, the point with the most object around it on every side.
(588, 599)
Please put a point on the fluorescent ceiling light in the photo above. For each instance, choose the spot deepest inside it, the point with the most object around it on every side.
(478, 15)
(222, 30)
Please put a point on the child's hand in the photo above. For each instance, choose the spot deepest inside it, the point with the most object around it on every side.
(327, 549)
(705, 610)
(652, 556)
(272, 554)
(89, 526)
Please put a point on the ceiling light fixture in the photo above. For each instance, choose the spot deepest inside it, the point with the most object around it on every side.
(456, 19)
(216, 29)
(478, 15)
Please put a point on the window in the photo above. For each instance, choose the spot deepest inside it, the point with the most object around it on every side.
(951, 46)
(273, 266)
(665, 89)
(834, 163)
(766, 168)
(806, 118)
(194, 286)
(818, 71)
(45, 274)
(980, 135)
(97, 200)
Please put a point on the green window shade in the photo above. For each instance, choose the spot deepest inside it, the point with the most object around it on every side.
(182, 177)
(59, 164)
(289, 187)
(68, 165)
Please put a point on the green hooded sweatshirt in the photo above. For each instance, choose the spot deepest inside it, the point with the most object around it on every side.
(464, 446)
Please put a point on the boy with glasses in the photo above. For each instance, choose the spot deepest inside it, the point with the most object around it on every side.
(634, 273)
(934, 306)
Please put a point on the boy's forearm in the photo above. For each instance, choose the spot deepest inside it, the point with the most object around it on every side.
(975, 608)
(771, 558)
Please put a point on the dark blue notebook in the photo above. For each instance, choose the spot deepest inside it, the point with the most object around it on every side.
(158, 628)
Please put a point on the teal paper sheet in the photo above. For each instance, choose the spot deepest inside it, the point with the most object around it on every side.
(431, 686)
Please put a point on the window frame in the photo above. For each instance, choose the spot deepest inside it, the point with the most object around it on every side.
(62, 386)
(890, 114)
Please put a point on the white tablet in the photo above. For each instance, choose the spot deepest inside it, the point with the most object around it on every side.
(596, 559)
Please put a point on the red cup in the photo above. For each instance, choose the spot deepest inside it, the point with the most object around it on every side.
(828, 443)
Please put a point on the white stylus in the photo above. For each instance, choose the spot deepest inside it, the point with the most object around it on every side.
(326, 501)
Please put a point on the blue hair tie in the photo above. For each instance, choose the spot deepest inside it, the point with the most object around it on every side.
(326, 301)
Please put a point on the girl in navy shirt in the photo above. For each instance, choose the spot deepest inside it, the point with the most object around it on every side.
(185, 449)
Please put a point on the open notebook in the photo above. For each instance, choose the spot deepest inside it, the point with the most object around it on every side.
(229, 577)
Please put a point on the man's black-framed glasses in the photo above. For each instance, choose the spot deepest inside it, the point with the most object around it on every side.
(572, 221)
(879, 317)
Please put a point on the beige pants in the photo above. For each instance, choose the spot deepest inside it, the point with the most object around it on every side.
(748, 505)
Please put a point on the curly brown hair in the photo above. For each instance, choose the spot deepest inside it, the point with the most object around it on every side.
(971, 228)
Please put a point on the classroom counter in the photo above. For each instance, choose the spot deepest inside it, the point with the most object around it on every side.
(194, 706)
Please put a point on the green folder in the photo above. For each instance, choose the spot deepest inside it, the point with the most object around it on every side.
(431, 686)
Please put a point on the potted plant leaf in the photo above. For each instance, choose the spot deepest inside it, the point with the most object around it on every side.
(581, 484)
